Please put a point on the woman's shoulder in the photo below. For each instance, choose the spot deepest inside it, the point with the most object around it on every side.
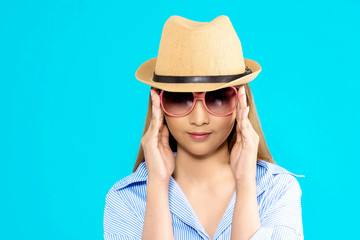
(129, 190)
(124, 205)
(274, 169)
(274, 178)
(139, 176)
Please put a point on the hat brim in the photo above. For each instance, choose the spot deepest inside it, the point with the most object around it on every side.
(145, 74)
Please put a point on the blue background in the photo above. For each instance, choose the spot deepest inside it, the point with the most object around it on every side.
(69, 131)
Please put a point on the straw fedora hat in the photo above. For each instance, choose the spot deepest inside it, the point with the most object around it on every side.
(198, 56)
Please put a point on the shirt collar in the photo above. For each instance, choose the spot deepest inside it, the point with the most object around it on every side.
(265, 172)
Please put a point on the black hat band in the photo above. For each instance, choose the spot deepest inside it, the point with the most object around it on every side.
(199, 79)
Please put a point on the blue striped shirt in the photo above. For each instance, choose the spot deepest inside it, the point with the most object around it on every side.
(278, 194)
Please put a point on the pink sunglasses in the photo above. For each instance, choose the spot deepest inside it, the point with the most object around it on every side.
(221, 102)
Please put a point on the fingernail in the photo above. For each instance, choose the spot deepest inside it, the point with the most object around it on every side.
(243, 89)
(151, 92)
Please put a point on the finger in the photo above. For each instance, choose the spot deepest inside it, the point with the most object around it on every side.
(238, 123)
(238, 133)
(239, 110)
(245, 112)
(161, 115)
(247, 123)
(243, 122)
(156, 114)
(246, 129)
(250, 126)
(242, 109)
(241, 104)
(249, 134)
(164, 139)
(242, 97)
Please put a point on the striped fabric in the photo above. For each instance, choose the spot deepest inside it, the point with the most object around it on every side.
(278, 194)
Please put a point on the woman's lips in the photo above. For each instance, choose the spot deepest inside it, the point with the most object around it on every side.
(199, 136)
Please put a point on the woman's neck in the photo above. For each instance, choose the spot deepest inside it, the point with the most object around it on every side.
(204, 171)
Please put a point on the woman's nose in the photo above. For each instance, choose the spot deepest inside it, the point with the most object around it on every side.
(199, 115)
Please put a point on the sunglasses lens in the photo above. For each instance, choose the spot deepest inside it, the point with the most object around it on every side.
(221, 101)
(177, 103)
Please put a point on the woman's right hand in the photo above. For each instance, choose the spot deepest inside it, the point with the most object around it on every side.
(159, 158)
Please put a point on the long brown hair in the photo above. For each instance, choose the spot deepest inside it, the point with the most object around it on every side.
(263, 150)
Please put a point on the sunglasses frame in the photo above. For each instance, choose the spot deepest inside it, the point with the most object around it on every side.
(199, 96)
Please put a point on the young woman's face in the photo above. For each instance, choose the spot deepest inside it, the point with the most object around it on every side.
(200, 120)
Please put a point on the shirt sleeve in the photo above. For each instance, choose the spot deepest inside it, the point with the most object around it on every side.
(120, 219)
(283, 220)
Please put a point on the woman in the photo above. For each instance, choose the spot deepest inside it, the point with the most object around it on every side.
(203, 170)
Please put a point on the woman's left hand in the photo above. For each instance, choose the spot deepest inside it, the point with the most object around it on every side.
(243, 156)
